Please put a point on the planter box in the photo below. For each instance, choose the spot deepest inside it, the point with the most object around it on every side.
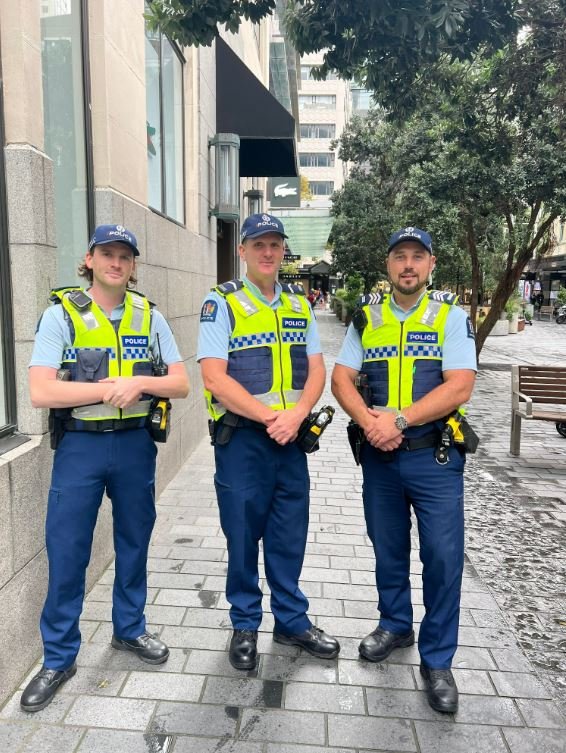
(520, 325)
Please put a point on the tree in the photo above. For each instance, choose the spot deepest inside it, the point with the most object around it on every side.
(479, 163)
(306, 193)
(382, 44)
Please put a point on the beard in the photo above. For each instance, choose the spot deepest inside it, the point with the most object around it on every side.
(404, 290)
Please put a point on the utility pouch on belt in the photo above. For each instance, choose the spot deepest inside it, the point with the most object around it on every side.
(56, 421)
(312, 427)
(222, 430)
(356, 436)
(456, 432)
(159, 419)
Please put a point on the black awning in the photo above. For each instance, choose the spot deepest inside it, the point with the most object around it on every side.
(244, 106)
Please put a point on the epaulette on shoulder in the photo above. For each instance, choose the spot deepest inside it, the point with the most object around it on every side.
(288, 287)
(142, 295)
(443, 296)
(229, 287)
(54, 295)
(370, 299)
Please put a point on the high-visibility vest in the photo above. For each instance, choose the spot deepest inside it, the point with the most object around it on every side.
(99, 349)
(267, 352)
(402, 360)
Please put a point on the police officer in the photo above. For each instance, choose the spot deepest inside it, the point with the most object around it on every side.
(100, 341)
(263, 371)
(417, 349)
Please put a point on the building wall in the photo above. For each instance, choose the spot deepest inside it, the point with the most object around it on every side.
(177, 267)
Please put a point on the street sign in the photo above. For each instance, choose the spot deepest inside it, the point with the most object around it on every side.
(284, 192)
(289, 277)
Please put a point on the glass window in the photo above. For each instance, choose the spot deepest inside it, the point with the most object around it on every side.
(310, 101)
(361, 100)
(306, 74)
(316, 159)
(321, 187)
(318, 131)
(64, 123)
(165, 125)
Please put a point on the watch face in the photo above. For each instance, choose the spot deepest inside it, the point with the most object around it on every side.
(401, 422)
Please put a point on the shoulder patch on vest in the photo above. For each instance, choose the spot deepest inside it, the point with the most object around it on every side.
(443, 296)
(370, 299)
(56, 293)
(136, 292)
(232, 286)
(288, 287)
(359, 319)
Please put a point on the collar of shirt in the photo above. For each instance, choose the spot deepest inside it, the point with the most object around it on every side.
(117, 311)
(401, 313)
(258, 294)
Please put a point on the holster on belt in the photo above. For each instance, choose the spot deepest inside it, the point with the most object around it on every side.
(356, 438)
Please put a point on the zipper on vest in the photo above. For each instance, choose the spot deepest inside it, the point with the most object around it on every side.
(400, 362)
(118, 349)
(280, 360)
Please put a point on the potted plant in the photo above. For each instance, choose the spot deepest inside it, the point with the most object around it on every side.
(512, 313)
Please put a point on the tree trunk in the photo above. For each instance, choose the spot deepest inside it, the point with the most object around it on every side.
(476, 276)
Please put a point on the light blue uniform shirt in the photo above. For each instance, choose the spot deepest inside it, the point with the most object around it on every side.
(53, 336)
(215, 328)
(458, 350)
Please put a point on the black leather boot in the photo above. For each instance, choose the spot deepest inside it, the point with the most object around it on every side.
(378, 645)
(441, 689)
(41, 689)
(314, 640)
(147, 647)
(243, 649)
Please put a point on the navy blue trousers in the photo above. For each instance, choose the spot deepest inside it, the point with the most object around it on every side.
(263, 493)
(86, 464)
(393, 482)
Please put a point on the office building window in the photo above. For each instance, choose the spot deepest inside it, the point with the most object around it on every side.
(66, 123)
(361, 101)
(321, 187)
(318, 131)
(306, 74)
(316, 159)
(312, 101)
(165, 126)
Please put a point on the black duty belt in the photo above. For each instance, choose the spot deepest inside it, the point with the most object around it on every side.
(419, 443)
(110, 424)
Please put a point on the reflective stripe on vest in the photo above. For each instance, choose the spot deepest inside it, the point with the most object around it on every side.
(403, 360)
(98, 351)
(267, 349)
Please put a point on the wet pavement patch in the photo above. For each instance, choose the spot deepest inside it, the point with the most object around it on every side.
(272, 694)
(208, 599)
(232, 712)
(183, 541)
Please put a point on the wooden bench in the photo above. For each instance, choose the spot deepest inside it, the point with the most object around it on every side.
(533, 386)
(545, 311)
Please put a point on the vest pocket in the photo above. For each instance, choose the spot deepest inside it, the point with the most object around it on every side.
(92, 365)
(142, 368)
(252, 368)
(427, 375)
(378, 381)
(299, 365)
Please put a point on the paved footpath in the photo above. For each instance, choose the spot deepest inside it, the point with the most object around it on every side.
(510, 666)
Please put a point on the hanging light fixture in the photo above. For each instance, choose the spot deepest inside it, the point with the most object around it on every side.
(226, 176)
(255, 201)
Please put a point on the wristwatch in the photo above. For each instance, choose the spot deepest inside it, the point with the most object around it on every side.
(401, 422)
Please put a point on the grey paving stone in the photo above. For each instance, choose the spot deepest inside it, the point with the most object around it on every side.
(298, 668)
(187, 637)
(103, 657)
(535, 740)
(243, 691)
(208, 568)
(186, 744)
(325, 607)
(184, 597)
(12, 735)
(438, 737)
(382, 675)
(486, 637)
(209, 618)
(266, 645)
(94, 681)
(518, 685)
(196, 719)
(166, 686)
(472, 681)
(282, 726)
(336, 699)
(115, 713)
(213, 663)
(486, 710)
(511, 660)
(353, 627)
(48, 739)
(282, 748)
(364, 732)
(53, 714)
(541, 713)
(197, 554)
(471, 657)
(114, 741)
(400, 704)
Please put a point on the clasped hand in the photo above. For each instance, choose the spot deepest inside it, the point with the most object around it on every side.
(283, 425)
(381, 432)
(123, 392)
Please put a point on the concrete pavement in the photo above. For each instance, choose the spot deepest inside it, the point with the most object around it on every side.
(510, 666)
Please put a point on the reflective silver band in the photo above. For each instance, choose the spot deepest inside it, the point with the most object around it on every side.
(293, 396)
(295, 303)
(376, 314)
(103, 411)
(89, 319)
(141, 408)
(138, 310)
(248, 306)
(431, 312)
